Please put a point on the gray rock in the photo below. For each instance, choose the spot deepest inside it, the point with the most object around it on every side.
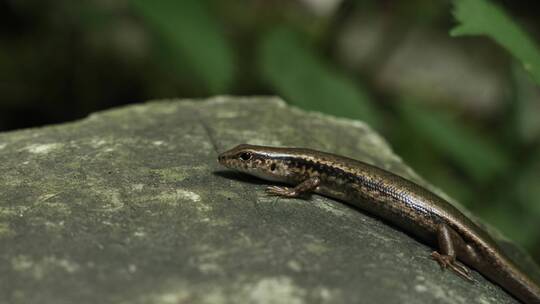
(130, 206)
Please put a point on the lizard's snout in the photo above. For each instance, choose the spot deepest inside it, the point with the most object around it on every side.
(222, 159)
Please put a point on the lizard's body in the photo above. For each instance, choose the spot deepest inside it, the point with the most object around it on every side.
(391, 197)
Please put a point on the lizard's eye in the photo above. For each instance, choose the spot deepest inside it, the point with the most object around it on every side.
(245, 156)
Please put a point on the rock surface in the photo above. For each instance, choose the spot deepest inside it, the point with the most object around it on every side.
(130, 206)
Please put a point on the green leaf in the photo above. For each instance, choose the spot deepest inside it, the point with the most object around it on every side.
(188, 28)
(295, 71)
(480, 17)
(476, 155)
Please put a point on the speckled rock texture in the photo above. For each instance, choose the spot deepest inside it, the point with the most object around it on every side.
(130, 206)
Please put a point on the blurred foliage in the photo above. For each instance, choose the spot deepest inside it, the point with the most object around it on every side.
(61, 60)
(527, 123)
(313, 86)
(479, 157)
(480, 17)
(190, 30)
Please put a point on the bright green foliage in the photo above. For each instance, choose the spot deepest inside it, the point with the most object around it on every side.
(477, 156)
(296, 72)
(191, 32)
(480, 17)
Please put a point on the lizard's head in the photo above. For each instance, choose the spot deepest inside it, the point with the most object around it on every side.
(263, 162)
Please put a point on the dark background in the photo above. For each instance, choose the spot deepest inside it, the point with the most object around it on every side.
(462, 111)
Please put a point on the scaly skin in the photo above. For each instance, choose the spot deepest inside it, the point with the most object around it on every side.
(391, 197)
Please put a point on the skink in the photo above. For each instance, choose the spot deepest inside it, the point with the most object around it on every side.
(391, 197)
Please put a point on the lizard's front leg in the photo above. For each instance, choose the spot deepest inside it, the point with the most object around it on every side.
(304, 188)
